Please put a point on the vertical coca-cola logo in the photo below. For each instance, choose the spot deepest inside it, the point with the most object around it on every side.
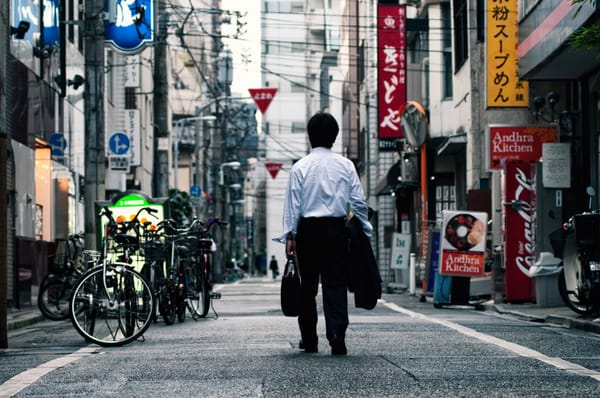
(524, 199)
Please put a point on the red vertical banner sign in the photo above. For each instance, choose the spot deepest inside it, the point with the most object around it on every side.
(391, 72)
(519, 229)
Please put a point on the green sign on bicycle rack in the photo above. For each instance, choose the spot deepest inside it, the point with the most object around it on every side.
(127, 205)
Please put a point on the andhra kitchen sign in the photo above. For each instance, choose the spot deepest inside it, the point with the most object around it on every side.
(507, 143)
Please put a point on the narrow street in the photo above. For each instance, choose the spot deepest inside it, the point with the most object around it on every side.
(247, 348)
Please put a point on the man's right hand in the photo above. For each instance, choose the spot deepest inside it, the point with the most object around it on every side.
(290, 247)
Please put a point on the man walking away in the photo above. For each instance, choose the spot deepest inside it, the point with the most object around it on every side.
(274, 267)
(323, 188)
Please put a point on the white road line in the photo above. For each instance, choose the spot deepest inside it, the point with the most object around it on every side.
(24, 379)
(516, 348)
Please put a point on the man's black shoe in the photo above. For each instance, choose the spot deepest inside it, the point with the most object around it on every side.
(308, 348)
(338, 346)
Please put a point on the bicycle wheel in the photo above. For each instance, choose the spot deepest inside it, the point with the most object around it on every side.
(166, 305)
(115, 314)
(53, 298)
(572, 296)
(199, 294)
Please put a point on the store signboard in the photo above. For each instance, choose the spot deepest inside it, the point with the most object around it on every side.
(463, 243)
(391, 72)
(508, 143)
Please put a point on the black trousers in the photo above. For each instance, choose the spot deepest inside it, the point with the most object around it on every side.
(321, 245)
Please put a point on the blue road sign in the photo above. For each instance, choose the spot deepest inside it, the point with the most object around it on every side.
(132, 26)
(58, 144)
(195, 191)
(119, 143)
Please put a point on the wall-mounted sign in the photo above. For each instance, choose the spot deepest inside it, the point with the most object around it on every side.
(130, 25)
(556, 165)
(507, 143)
(504, 88)
(132, 130)
(131, 71)
(391, 72)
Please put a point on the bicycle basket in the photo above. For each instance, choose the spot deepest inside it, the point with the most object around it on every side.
(90, 258)
(153, 250)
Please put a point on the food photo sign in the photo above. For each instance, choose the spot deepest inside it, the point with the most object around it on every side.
(463, 243)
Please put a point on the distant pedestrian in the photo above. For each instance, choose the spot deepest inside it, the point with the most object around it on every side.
(274, 267)
(323, 189)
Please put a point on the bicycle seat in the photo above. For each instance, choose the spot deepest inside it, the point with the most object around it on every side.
(125, 239)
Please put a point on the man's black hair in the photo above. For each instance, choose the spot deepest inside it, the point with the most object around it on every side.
(322, 130)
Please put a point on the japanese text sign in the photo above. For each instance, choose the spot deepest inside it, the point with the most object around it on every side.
(391, 61)
(504, 88)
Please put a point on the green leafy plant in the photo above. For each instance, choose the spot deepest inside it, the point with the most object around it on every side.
(180, 204)
(587, 37)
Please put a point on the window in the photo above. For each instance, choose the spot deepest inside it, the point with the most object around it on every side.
(298, 127)
(445, 194)
(297, 88)
(297, 7)
(447, 51)
(461, 33)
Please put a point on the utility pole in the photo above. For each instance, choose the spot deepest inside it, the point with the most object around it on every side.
(94, 115)
(4, 141)
(160, 175)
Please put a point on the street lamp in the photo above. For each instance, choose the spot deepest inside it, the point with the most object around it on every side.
(178, 128)
(234, 165)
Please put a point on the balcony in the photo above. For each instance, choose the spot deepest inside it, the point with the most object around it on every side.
(315, 20)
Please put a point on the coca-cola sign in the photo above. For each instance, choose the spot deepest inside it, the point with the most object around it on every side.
(519, 229)
(517, 143)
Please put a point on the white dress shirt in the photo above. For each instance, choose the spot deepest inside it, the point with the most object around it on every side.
(324, 184)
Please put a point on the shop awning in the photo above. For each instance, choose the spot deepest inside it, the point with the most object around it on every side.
(393, 179)
(452, 144)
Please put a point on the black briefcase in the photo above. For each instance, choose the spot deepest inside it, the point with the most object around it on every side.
(290, 288)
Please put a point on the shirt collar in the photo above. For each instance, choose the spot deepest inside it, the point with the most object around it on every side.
(320, 149)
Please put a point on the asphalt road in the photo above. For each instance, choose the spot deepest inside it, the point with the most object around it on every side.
(402, 348)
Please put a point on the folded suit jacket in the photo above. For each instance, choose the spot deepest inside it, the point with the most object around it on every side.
(363, 274)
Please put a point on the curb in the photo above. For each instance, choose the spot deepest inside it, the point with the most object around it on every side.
(564, 321)
(23, 320)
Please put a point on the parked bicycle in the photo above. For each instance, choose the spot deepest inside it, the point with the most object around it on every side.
(112, 304)
(70, 262)
(199, 270)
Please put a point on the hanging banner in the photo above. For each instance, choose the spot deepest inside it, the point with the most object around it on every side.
(273, 168)
(508, 143)
(130, 24)
(463, 245)
(504, 88)
(262, 97)
(391, 72)
(519, 229)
